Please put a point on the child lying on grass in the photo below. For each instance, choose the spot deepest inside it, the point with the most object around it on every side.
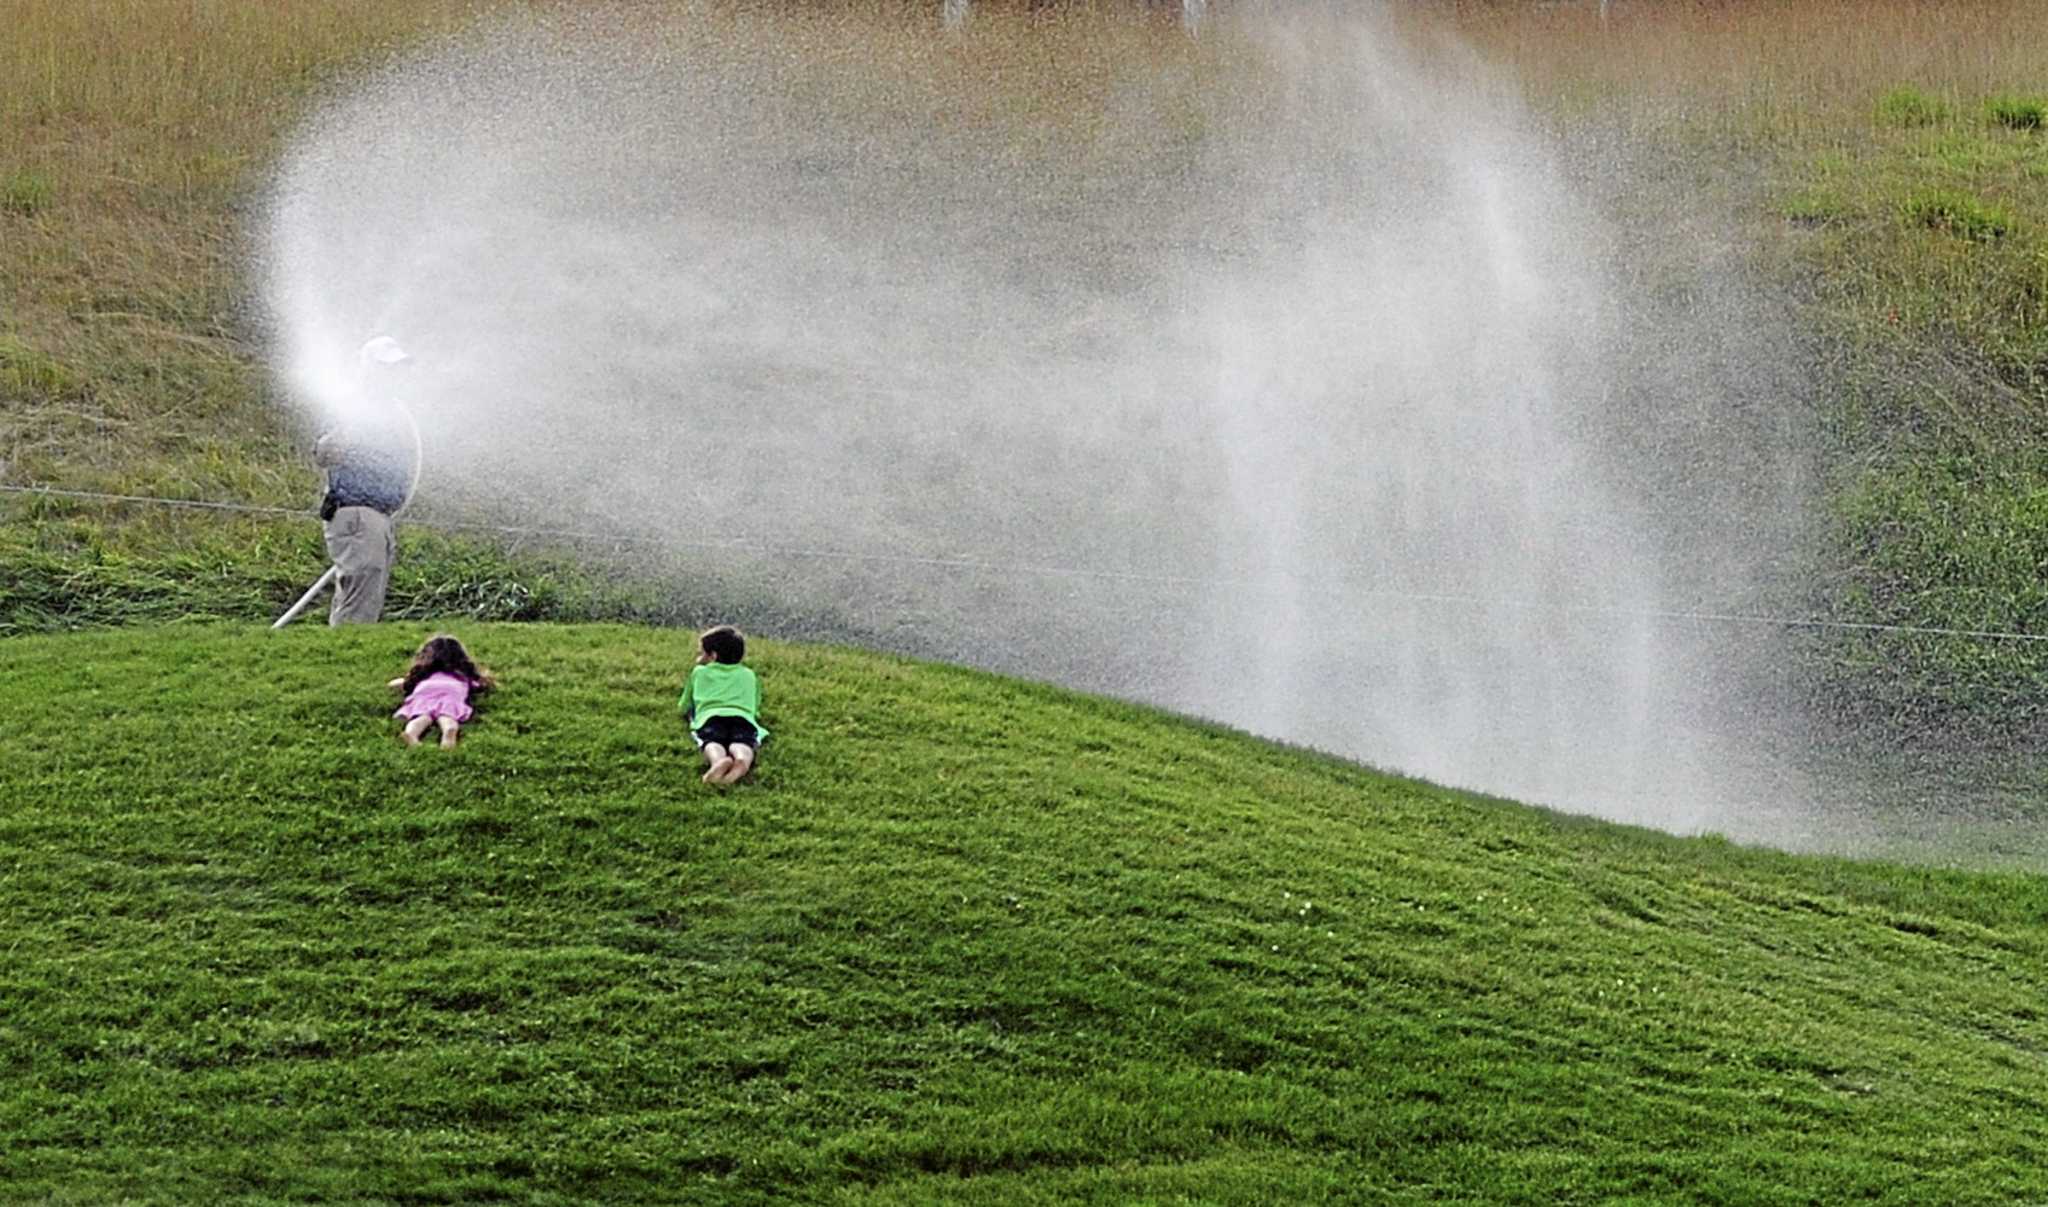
(721, 704)
(438, 687)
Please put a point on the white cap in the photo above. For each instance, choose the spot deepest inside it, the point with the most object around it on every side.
(383, 350)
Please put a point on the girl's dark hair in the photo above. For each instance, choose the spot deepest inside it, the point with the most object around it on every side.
(443, 653)
(723, 643)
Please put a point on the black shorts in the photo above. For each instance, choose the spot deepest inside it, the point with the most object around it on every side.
(727, 731)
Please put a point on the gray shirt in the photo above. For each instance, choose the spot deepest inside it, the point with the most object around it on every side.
(369, 464)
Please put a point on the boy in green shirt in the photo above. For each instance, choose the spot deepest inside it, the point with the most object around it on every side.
(721, 704)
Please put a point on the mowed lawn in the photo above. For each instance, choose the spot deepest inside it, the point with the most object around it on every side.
(964, 940)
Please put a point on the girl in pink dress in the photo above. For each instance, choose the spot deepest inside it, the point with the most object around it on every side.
(438, 687)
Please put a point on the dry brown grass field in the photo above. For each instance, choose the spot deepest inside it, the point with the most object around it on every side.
(1761, 68)
(133, 132)
(131, 135)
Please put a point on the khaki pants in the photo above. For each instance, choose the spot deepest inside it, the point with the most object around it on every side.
(362, 544)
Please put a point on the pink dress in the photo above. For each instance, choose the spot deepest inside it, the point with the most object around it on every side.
(438, 695)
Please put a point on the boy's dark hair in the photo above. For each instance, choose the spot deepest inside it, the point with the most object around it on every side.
(444, 653)
(723, 643)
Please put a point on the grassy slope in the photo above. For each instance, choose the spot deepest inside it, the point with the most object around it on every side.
(66, 571)
(964, 939)
(1880, 160)
(1928, 245)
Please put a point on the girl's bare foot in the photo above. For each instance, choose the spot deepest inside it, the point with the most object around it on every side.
(449, 731)
(407, 736)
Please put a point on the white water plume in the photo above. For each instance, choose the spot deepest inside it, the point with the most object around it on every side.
(1266, 378)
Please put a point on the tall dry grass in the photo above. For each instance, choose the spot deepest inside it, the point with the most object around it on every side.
(1775, 68)
(130, 132)
(134, 133)
(134, 137)
(177, 95)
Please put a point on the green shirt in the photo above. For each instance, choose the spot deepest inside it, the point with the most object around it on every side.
(721, 689)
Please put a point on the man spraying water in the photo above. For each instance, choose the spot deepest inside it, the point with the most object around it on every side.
(373, 465)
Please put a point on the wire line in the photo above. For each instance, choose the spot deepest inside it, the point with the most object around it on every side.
(978, 564)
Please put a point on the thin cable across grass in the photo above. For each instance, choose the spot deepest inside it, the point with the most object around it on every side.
(756, 548)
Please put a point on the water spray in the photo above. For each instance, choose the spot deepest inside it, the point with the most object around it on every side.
(1291, 321)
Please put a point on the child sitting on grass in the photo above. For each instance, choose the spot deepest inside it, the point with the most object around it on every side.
(721, 704)
(437, 688)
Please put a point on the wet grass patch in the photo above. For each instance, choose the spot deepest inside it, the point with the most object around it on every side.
(25, 194)
(2018, 112)
(1909, 107)
(1958, 214)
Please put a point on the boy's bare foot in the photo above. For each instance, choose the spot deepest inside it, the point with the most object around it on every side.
(715, 774)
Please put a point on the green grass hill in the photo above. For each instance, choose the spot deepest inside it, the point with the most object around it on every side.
(964, 940)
